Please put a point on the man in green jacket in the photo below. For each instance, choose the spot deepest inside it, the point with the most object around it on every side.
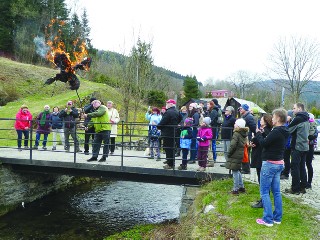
(102, 127)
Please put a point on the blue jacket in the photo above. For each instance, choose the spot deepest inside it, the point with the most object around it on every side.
(185, 142)
(56, 121)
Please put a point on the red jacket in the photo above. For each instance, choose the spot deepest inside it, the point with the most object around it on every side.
(23, 120)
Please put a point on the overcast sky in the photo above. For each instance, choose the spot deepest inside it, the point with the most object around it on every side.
(210, 39)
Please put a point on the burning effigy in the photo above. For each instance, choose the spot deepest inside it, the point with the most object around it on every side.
(58, 55)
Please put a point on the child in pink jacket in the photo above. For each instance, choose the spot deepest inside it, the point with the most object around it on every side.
(204, 137)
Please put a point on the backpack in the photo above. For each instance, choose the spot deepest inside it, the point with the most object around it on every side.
(220, 117)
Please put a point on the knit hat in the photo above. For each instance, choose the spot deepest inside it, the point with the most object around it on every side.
(245, 107)
(23, 106)
(241, 123)
(215, 101)
(171, 101)
(207, 121)
(230, 108)
(188, 122)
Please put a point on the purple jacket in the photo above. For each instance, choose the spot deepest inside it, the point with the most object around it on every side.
(206, 134)
(47, 125)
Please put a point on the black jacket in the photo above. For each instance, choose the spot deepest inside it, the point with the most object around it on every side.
(274, 144)
(227, 127)
(88, 109)
(69, 119)
(170, 120)
(250, 123)
(256, 152)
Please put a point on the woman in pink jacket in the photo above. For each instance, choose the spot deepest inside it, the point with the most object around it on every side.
(22, 125)
(204, 137)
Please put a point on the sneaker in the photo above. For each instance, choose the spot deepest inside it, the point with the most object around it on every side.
(201, 169)
(261, 222)
(258, 204)
(276, 222)
(167, 167)
(26, 147)
(92, 159)
(103, 159)
(35, 147)
(67, 149)
(44, 148)
(234, 192)
(54, 148)
(86, 153)
(242, 190)
(111, 153)
(289, 190)
(158, 158)
(284, 177)
(182, 167)
(19, 149)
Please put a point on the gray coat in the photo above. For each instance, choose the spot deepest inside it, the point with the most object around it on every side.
(299, 130)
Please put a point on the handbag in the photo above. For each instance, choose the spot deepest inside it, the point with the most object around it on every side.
(245, 158)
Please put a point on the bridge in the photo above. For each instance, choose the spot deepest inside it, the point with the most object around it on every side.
(130, 165)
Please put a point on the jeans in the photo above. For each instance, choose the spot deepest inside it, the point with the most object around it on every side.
(226, 147)
(270, 178)
(26, 137)
(67, 133)
(185, 152)
(237, 180)
(298, 170)
(154, 146)
(54, 136)
(87, 135)
(214, 143)
(98, 138)
(45, 138)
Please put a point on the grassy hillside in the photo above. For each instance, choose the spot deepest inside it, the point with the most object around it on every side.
(27, 82)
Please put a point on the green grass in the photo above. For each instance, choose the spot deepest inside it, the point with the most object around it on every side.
(135, 233)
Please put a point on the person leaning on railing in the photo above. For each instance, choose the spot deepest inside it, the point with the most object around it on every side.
(22, 125)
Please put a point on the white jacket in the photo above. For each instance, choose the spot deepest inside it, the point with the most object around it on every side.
(114, 116)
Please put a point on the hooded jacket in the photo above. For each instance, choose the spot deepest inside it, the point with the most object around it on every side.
(205, 133)
(236, 150)
(274, 143)
(23, 120)
(299, 130)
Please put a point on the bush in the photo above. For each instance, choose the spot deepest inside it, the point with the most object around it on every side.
(8, 94)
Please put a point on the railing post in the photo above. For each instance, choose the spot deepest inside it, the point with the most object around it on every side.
(130, 136)
(122, 141)
(74, 143)
(30, 138)
(174, 145)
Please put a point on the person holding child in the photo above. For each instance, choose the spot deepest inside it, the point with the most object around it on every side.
(185, 142)
(204, 136)
(44, 125)
(235, 154)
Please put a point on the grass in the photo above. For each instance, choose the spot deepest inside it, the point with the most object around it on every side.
(233, 218)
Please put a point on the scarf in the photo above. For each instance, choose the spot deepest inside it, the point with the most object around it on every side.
(44, 118)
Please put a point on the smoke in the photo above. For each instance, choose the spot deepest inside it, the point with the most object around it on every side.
(41, 47)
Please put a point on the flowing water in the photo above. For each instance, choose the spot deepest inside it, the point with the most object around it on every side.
(92, 212)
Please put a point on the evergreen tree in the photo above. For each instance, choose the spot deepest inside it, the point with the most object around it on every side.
(86, 29)
(191, 88)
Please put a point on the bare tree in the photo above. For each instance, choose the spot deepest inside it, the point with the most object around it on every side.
(242, 82)
(296, 63)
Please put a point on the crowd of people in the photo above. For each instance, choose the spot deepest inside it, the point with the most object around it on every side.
(100, 124)
(274, 144)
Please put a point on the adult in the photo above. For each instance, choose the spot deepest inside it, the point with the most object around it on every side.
(272, 164)
(227, 130)
(102, 127)
(251, 124)
(22, 125)
(194, 114)
(299, 130)
(215, 114)
(167, 125)
(88, 129)
(44, 125)
(313, 134)
(256, 154)
(69, 115)
(287, 151)
(57, 128)
(184, 114)
(114, 119)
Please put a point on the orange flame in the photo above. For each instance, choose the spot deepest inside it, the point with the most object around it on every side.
(57, 45)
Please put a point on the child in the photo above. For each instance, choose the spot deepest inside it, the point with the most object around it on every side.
(154, 134)
(235, 154)
(204, 137)
(185, 142)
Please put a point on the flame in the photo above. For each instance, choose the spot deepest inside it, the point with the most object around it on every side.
(57, 46)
